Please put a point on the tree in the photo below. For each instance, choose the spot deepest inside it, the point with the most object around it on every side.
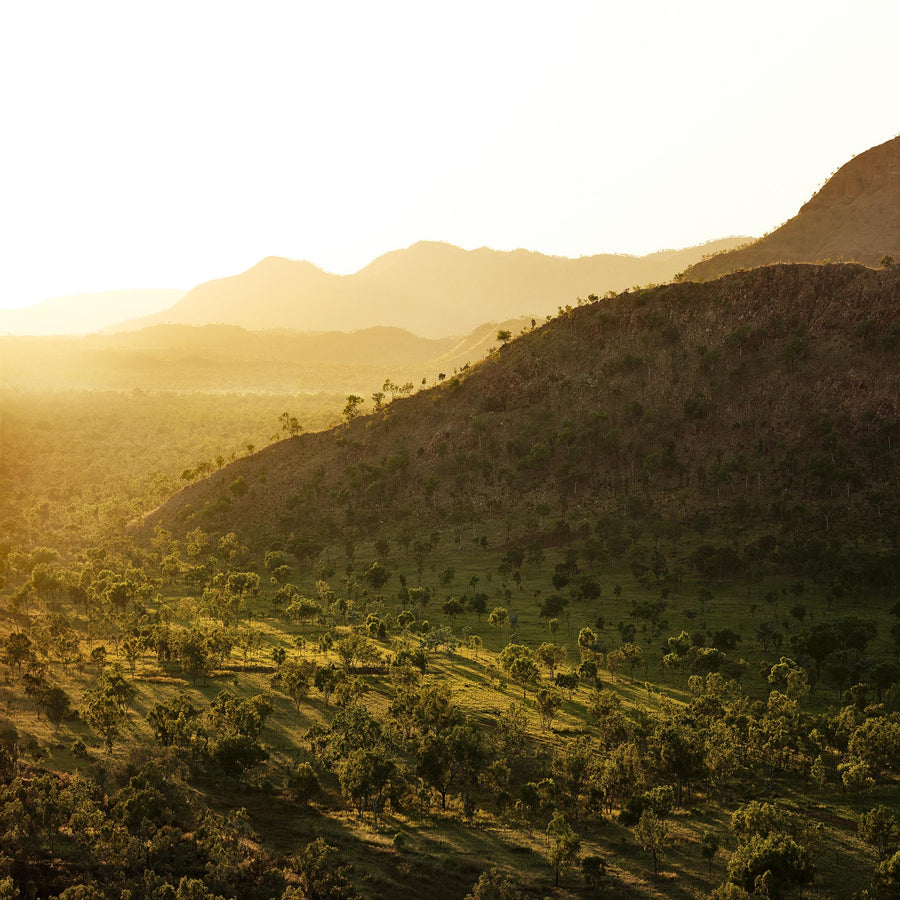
(876, 743)
(551, 656)
(319, 875)
(568, 681)
(774, 862)
(494, 885)
(504, 335)
(365, 776)
(353, 728)
(17, 650)
(239, 486)
(587, 640)
(352, 410)
(435, 764)
(524, 671)
(511, 652)
(789, 678)
(564, 845)
(377, 575)
(104, 715)
(449, 754)
(293, 678)
(132, 649)
(594, 870)
(289, 424)
(233, 727)
(548, 701)
(632, 657)
(652, 835)
(709, 846)
(477, 604)
(195, 655)
(54, 703)
(886, 882)
(880, 828)
(173, 721)
(355, 647)
(325, 681)
(679, 751)
(303, 609)
(499, 617)
(453, 608)
(571, 769)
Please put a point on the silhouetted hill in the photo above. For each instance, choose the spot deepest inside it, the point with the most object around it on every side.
(432, 289)
(768, 397)
(84, 313)
(855, 217)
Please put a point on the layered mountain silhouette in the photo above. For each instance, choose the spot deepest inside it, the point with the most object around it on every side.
(855, 217)
(431, 289)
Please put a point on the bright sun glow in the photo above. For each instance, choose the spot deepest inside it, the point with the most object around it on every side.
(160, 145)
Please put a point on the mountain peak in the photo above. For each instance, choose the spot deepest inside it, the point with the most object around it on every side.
(281, 264)
(855, 217)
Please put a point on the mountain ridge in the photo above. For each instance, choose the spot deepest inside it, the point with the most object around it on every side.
(431, 288)
(854, 217)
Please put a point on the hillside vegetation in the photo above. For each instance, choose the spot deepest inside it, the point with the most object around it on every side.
(766, 401)
(612, 612)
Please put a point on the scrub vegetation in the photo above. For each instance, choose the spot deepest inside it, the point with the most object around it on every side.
(613, 612)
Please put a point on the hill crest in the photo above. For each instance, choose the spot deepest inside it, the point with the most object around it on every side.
(855, 217)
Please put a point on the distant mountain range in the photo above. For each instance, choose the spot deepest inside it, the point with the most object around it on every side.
(84, 313)
(855, 217)
(431, 289)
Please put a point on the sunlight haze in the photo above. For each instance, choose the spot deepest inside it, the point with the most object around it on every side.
(159, 146)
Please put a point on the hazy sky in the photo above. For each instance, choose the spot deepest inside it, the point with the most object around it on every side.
(162, 144)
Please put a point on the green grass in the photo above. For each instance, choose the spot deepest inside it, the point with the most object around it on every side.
(440, 852)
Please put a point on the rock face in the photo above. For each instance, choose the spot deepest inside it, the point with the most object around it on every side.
(855, 217)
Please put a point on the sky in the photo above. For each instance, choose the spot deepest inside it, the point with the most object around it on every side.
(158, 145)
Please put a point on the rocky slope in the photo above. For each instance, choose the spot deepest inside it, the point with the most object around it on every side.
(854, 217)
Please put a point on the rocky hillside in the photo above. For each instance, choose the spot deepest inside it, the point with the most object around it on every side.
(769, 397)
(854, 217)
(432, 289)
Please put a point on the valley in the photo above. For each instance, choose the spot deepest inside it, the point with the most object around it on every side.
(597, 599)
(546, 625)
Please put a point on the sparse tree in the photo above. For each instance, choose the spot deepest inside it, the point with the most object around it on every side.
(352, 409)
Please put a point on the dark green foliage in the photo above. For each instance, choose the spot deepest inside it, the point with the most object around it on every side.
(772, 863)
